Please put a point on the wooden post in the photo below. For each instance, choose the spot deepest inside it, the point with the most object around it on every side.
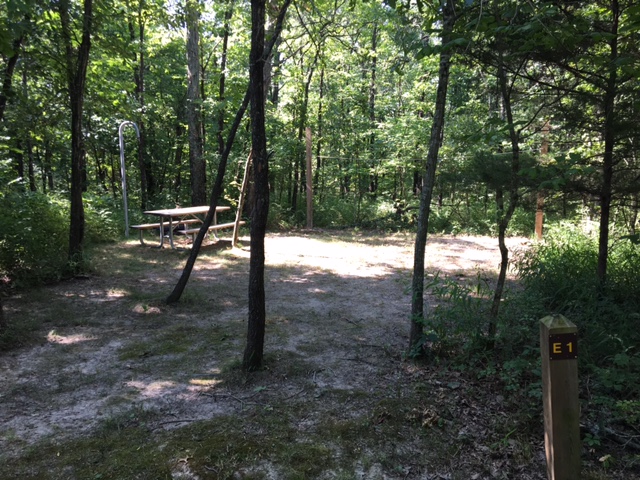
(559, 350)
(544, 150)
(539, 215)
(243, 188)
(309, 180)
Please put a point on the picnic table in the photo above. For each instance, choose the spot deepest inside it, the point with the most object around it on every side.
(185, 221)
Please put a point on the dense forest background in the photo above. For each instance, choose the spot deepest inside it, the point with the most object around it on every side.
(541, 116)
(362, 76)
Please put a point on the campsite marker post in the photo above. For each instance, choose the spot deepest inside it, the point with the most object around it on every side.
(559, 350)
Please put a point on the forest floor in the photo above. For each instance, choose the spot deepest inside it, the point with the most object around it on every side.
(119, 385)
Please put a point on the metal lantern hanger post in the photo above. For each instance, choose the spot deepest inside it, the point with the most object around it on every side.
(123, 172)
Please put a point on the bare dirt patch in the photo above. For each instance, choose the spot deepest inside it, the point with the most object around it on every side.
(337, 325)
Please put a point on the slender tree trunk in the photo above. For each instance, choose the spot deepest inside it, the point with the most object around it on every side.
(194, 108)
(76, 64)
(4, 324)
(7, 75)
(177, 161)
(544, 151)
(146, 175)
(6, 88)
(254, 349)
(606, 189)
(217, 187)
(19, 159)
(504, 217)
(30, 167)
(317, 173)
(635, 206)
(300, 166)
(48, 171)
(428, 179)
(223, 74)
(29, 142)
(373, 174)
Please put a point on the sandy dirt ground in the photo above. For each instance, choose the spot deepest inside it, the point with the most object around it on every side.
(338, 306)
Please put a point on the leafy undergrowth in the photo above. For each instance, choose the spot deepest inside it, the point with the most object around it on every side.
(117, 385)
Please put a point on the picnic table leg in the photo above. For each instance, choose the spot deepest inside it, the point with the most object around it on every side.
(215, 222)
(161, 232)
(171, 232)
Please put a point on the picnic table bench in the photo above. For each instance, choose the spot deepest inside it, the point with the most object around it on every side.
(179, 220)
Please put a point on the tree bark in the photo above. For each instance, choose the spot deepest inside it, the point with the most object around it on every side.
(177, 160)
(609, 135)
(254, 348)
(223, 74)
(7, 75)
(635, 206)
(319, 133)
(428, 180)
(504, 217)
(373, 174)
(194, 106)
(76, 66)
(300, 167)
(146, 175)
(217, 187)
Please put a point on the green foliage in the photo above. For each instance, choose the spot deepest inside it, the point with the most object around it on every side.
(477, 218)
(34, 237)
(559, 276)
(453, 326)
(562, 270)
(34, 231)
(104, 219)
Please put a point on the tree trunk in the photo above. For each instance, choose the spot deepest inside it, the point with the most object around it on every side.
(300, 166)
(194, 107)
(504, 217)
(319, 133)
(609, 144)
(373, 173)
(223, 74)
(19, 159)
(254, 349)
(428, 179)
(217, 187)
(635, 206)
(7, 75)
(47, 180)
(30, 167)
(504, 263)
(76, 66)
(177, 161)
(146, 175)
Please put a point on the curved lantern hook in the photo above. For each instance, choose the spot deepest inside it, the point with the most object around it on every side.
(123, 172)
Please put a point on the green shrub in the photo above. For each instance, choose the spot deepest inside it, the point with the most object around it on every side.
(454, 327)
(562, 270)
(34, 231)
(104, 219)
(560, 275)
(34, 234)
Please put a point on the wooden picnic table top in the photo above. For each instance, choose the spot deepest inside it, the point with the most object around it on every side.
(179, 212)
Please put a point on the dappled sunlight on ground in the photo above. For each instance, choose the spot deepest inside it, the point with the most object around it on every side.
(339, 257)
(146, 309)
(151, 389)
(338, 309)
(53, 337)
